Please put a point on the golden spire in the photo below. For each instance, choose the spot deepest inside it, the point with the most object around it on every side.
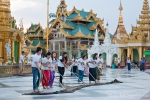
(120, 22)
(120, 27)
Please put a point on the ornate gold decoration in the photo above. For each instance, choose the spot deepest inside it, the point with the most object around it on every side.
(123, 32)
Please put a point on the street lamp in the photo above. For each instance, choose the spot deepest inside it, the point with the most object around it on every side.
(47, 17)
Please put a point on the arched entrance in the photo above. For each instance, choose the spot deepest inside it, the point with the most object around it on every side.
(135, 55)
(124, 55)
(114, 57)
(17, 48)
(104, 55)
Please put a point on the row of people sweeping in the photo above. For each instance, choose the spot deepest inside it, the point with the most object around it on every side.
(46, 67)
(90, 67)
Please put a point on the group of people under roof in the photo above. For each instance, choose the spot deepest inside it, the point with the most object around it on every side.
(44, 68)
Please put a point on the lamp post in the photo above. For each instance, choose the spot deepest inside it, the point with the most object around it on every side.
(47, 24)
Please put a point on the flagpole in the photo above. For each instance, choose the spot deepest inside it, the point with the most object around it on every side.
(47, 25)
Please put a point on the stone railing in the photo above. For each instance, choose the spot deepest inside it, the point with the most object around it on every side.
(11, 70)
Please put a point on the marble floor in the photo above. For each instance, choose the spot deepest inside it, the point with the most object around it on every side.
(135, 86)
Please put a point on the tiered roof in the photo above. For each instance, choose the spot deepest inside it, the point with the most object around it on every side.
(140, 32)
(34, 36)
(78, 23)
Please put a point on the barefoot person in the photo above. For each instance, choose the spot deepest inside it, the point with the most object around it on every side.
(62, 63)
(92, 68)
(75, 66)
(82, 64)
(36, 62)
(99, 68)
(45, 71)
(53, 69)
(21, 62)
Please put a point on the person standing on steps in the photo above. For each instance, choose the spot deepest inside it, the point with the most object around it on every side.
(62, 63)
(36, 63)
(129, 64)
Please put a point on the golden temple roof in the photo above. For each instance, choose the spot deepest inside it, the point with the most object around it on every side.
(123, 32)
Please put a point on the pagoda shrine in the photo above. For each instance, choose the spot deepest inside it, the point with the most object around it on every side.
(107, 49)
(34, 37)
(138, 40)
(74, 31)
(9, 34)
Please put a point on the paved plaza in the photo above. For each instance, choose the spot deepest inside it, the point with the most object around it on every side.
(135, 86)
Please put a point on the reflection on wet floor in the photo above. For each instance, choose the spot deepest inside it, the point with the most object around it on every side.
(134, 83)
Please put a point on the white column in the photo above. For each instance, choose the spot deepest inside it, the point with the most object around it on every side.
(53, 46)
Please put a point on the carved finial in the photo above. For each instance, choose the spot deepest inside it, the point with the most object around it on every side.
(120, 8)
(107, 24)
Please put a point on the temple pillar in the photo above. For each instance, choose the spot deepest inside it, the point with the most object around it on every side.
(128, 52)
(79, 53)
(12, 48)
(65, 46)
(59, 48)
(12, 51)
(1, 51)
(53, 46)
(132, 56)
(140, 52)
(20, 49)
(70, 50)
(144, 49)
(120, 54)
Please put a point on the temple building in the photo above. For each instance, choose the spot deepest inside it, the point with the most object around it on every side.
(74, 31)
(34, 37)
(9, 34)
(138, 40)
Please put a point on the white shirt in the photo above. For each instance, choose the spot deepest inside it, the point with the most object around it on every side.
(101, 62)
(46, 61)
(21, 59)
(128, 61)
(81, 67)
(118, 61)
(92, 65)
(54, 63)
(36, 58)
(60, 64)
(75, 62)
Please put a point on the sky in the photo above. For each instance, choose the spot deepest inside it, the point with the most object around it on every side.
(34, 11)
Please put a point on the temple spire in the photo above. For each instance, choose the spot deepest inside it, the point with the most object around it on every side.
(96, 40)
(107, 39)
(62, 10)
(120, 22)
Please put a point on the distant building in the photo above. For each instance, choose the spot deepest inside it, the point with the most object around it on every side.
(74, 31)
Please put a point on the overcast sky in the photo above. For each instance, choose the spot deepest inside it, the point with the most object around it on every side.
(35, 11)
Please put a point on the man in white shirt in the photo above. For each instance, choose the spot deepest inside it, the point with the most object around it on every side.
(36, 63)
(21, 62)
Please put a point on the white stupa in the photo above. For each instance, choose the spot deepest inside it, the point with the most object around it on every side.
(107, 47)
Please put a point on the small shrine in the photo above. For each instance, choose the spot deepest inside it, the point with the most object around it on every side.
(109, 50)
(11, 37)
